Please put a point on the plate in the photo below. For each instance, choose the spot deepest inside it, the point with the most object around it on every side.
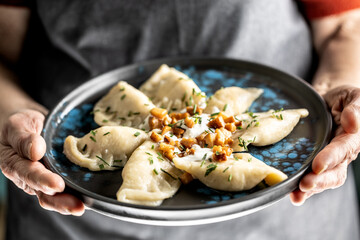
(194, 203)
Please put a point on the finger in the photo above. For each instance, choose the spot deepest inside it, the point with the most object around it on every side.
(22, 132)
(329, 179)
(61, 202)
(32, 174)
(297, 197)
(343, 148)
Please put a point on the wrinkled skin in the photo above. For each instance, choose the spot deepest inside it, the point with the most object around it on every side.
(329, 168)
(21, 148)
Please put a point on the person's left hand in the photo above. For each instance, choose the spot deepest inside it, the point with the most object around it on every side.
(329, 167)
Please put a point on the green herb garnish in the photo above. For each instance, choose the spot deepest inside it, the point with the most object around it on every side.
(168, 173)
(211, 167)
(102, 160)
(136, 134)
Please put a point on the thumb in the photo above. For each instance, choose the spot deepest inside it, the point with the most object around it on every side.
(350, 118)
(22, 133)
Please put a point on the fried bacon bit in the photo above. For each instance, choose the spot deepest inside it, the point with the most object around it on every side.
(154, 123)
(190, 110)
(230, 127)
(165, 130)
(189, 122)
(167, 150)
(239, 124)
(178, 131)
(218, 122)
(189, 151)
(158, 112)
(201, 139)
(168, 140)
(226, 133)
(186, 178)
(230, 119)
(220, 154)
(166, 120)
(209, 139)
(179, 116)
(178, 145)
(173, 120)
(229, 141)
(156, 137)
(188, 142)
(219, 138)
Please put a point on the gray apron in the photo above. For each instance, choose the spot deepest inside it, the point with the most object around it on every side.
(70, 41)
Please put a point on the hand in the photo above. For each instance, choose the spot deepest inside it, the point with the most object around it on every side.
(329, 168)
(21, 148)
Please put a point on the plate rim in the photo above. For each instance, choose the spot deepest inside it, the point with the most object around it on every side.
(88, 195)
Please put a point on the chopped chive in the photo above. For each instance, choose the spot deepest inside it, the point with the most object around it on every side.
(146, 104)
(239, 127)
(151, 160)
(230, 177)
(92, 138)
(226, 169)
(118, 160)
(105, 120)
(107, 109)
(122, 118)
(93, 132)
(123, 96)
(225, 107)
(84, 148)
(202, 163)
(183, 98)
(250, 159)
(214, 114)
(193, 91)
(236, 158)
(122, 89)
(149, 153)
(211, 167)
(195, 106)
(167, 173)
(130, 113)
(190, 100)
(102, 160)
(281, 117)
(92, 112)
(136, 113)
(173, 109)
(106, 133)
(101, 166)
(156, 172)
(136, 134)
(204, 157)
(152, 147)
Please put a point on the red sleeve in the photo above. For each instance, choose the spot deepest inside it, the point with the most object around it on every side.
(322, 8)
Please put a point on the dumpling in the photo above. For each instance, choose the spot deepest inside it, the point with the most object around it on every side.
(172, 90)
(235, 174)
(105, 148)
(123, 105)
(148, 178)
(232, 100)
(261, 129)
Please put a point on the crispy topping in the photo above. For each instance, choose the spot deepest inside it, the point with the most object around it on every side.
(158, 112)
(188, 142)
(218, 122)
(156, 137)
(189, 122)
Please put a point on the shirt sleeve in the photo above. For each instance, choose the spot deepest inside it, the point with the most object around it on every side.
(322, 8)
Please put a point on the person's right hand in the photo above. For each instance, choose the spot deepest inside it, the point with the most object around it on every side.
(21, 148)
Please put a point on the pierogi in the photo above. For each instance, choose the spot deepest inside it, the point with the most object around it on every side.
(169, 133)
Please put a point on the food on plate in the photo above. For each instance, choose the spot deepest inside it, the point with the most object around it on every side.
(173, 133)
(105, 148)
(170, 89)
(232, 100)
(266, 128)
(148, 177)
(123, 105)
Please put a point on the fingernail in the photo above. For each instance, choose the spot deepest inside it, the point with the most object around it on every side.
(324, 168)
(49, 191)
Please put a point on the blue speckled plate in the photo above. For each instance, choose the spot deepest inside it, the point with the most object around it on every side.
(194, 203)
